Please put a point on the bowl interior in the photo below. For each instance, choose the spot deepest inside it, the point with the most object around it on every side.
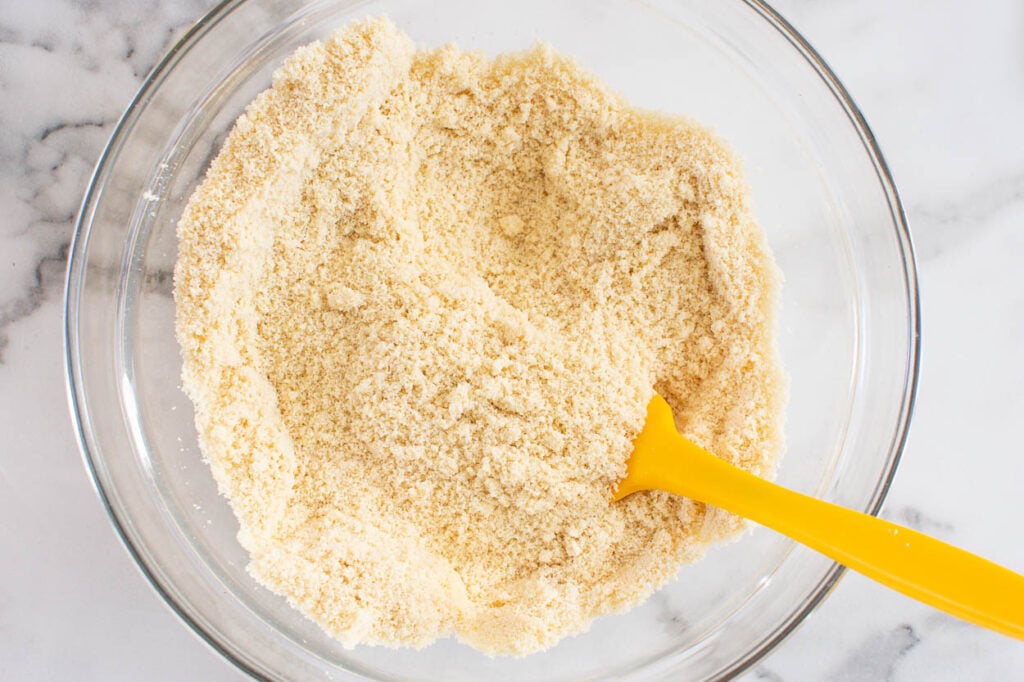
(847, 328)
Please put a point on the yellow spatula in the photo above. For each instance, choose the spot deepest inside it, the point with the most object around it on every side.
(950, 579)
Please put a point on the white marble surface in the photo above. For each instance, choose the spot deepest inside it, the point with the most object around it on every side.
(941, 83)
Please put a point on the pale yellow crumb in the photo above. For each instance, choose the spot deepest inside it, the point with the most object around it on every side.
(423, 299)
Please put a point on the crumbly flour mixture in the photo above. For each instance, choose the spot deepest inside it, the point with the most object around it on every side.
(424, 298)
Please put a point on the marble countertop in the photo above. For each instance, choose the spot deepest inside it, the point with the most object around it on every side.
(941, 84)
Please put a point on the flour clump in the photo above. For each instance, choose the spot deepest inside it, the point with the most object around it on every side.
(423, 298)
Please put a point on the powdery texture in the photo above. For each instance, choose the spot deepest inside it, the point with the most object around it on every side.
(423, 300)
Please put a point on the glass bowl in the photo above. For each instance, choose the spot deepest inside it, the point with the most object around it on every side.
(848, 326)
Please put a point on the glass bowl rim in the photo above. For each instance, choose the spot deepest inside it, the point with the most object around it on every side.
(76, 271)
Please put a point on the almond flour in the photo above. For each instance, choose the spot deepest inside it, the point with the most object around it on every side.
(423, 300)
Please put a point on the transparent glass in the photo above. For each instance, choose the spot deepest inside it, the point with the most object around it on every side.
(848, 328)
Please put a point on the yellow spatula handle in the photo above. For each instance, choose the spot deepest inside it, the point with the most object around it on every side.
(948, 578)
